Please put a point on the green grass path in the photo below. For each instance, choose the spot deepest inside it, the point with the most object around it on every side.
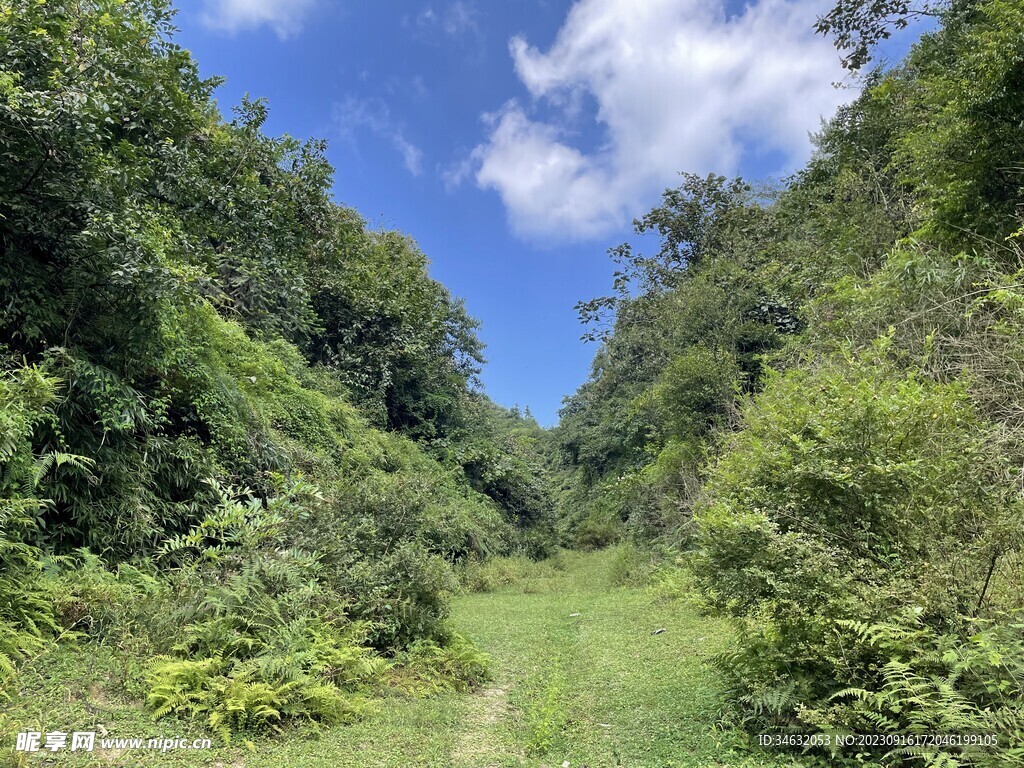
(581, 677)
(578, 676)
(595, 689)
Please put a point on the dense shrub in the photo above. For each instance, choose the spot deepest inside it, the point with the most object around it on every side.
(26, 613)
(852, 498)
(454, 665)
(516, 573)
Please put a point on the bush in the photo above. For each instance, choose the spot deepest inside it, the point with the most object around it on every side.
(601, 524)
(26, 599)
(854, 497)
(694, 393)
(847, 471)
(516, 573)
(674, 581)
(632, 567)
(263, 640)
(235, 699)
(430, 666)
(388, 540)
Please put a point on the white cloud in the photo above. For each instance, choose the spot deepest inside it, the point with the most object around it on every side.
(677, 85)
(455, 21)
(412, 156)
(354, 114)
(285, 17)
(454, 174)
(548, 186)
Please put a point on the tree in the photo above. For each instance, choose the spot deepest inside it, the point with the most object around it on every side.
(858, 26)
(690, 221)
(397, 338)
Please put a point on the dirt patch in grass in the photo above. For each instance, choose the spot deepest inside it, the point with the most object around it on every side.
(478, 737)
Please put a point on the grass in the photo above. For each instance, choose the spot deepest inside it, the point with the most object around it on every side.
(578, 676)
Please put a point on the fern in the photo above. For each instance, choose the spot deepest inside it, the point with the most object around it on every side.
(26, 600)
(259, 649)
(926, 687)
(235, 698)
(457, 665)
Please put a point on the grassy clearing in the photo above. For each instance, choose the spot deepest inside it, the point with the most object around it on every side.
(577, 674)
(587, 680)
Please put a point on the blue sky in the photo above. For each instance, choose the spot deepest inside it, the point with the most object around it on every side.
(515, 141)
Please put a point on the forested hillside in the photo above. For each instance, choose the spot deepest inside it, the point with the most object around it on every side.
(813, 391)
(246, 460)
(227, 404)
